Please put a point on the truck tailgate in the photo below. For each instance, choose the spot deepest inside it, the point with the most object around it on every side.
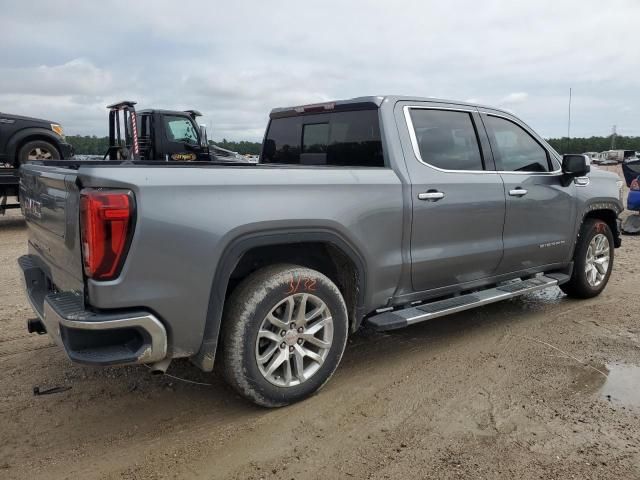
(49, 198)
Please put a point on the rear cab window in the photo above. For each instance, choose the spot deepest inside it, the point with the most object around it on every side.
(446, 139)
(334, 138)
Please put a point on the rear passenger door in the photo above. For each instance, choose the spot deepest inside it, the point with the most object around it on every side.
(458, 199)
(541, 211)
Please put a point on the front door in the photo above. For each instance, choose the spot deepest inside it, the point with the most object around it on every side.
(458, 198)
(541, 211)
(181, 139)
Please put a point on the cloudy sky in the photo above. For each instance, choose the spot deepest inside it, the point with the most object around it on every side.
(235, 60)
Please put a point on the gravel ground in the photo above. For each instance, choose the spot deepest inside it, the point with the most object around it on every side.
(536, 387)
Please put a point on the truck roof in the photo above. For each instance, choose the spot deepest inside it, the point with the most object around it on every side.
(369, 101)
(193, 113)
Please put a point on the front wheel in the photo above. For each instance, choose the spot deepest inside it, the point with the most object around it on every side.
(593, 260)
(284, 332)
(37, 150)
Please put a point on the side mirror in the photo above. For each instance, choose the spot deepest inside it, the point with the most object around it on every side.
(575, 165)
(204, 141)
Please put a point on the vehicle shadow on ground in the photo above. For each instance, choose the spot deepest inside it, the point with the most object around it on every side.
(8, 221)
(173, 401)
(443, 331)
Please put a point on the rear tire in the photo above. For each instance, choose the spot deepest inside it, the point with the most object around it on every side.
(592, 260)
(37, 150)
(284, 332)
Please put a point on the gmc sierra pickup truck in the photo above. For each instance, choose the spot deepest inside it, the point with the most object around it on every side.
(378, 211)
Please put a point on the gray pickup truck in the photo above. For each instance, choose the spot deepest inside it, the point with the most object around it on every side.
(378, 211)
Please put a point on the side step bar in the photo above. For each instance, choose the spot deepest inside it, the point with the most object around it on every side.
(428, 311)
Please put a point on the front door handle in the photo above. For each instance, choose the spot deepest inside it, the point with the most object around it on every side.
(518, 192)
(431, 196)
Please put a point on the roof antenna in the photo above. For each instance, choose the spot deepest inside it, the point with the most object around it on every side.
(569, 123)
(613, 138)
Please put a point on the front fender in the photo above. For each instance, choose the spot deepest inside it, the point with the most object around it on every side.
(608, 210)
(614, 205)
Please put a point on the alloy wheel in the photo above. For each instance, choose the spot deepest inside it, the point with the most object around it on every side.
(598, 260)
(39, 153)
(294, 340)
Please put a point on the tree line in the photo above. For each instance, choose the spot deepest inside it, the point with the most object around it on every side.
(92, 145)
(593, 144)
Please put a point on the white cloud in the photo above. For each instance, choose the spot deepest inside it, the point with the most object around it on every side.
(236, 63)
(514, 98)
(76, 77)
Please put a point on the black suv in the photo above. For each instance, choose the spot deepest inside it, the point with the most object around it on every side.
(24, 139)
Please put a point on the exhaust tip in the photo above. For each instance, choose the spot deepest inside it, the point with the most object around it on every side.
(159, 368)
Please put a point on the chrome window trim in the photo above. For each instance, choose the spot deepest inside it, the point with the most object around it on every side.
(414, 139)
(416, 149)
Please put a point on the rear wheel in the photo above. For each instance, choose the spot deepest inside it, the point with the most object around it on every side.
(38, 150)
(593, 260)
(285, 329)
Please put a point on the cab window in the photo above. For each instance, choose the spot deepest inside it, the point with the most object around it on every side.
(343, 139)
(447, 139)
(180, 129)
(517, 150)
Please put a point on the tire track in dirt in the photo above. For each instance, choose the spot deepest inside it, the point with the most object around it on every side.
(17, 346)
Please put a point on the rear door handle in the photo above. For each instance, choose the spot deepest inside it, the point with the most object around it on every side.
(518, 192)
(431, 196)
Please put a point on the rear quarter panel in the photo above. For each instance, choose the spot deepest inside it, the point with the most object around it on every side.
(187, 217)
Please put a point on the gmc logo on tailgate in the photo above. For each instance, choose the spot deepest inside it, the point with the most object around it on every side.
(31, 207)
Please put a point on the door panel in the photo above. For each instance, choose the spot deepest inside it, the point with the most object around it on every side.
(539, 225)
(540, 214)
(458, 212)
(458, 238)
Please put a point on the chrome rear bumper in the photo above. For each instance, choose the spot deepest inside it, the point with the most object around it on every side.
(93, 338)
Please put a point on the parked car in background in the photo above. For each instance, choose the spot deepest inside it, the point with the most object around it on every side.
(620, 156)
(631, 169)
(593, 156)
(385, 211)
(633, 199)
(603, 159)
(24, 139)
(161, 135)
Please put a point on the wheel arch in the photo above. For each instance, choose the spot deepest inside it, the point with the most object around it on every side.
(608, 213)
(25, 135)
(236, 256)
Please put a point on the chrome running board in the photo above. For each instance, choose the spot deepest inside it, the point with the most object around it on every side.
(428, 311)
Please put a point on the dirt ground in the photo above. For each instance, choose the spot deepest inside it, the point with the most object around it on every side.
(536, 387)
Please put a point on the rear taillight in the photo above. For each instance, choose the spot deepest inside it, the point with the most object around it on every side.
(635, 184)
(106, 226)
